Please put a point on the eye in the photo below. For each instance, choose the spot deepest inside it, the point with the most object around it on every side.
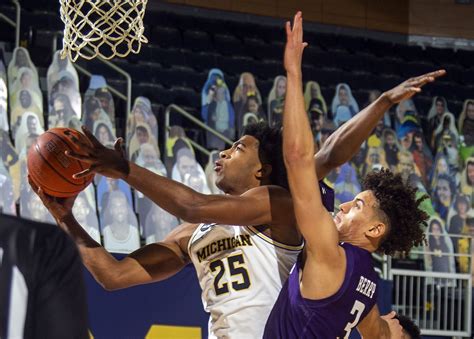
(239, 148)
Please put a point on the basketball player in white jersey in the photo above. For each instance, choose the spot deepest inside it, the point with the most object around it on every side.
(242, 244)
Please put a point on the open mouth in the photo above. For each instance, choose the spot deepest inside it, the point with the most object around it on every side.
(218, 167)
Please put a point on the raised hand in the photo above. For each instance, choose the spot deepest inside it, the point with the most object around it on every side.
(396, 330)
(108, 162)
(58, 207)
(410, 87)
(294, 44)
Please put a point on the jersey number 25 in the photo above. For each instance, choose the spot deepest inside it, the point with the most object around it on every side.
(236, 267)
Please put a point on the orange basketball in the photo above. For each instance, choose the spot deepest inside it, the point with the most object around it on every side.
(51, 169)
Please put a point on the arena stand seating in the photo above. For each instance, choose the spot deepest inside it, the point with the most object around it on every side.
(174, 66)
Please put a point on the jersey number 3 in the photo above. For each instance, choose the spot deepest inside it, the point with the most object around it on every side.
(236, 267)
(357, 309)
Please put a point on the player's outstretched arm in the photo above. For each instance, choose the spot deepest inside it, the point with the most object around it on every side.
(150, 263)
(344, 143)
(314, 222)
(261, 205)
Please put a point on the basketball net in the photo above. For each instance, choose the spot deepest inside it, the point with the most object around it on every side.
(108, 28)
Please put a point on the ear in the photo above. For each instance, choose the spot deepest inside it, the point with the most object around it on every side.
(376, 231)
(264, 172)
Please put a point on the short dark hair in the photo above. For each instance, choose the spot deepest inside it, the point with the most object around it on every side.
(401, 211)
(409, 326)
(270, 150)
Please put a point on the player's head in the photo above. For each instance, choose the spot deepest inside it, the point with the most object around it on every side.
(255, 159)
(410, 330)
(385, 217)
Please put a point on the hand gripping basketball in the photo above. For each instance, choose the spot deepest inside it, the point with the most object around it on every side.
(105, 161)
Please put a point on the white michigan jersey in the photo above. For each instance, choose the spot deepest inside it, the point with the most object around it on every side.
(241, 272)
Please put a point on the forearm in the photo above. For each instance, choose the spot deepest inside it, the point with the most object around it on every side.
(151, 263)
(100, 263)
(345, 142)
(172, 196)
(298, 144)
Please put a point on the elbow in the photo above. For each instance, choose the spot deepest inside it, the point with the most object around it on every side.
(192, 213)
(111, 285)
(295, 155)
(329, 155)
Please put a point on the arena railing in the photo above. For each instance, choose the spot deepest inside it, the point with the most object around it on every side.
(440, 303)
(126, 97)
(16, 23)
(176, 109)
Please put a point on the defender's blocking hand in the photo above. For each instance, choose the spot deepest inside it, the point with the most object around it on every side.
(410, 87)
(294, 44)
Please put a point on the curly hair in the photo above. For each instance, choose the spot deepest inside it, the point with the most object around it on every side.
(409, 326)
(270, 150)
(400, 211)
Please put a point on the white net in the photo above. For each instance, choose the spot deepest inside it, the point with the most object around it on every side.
(105, 28)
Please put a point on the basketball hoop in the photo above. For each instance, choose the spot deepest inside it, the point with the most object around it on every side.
(105, 28)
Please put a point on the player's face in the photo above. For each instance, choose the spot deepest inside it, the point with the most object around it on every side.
(356, 217)
(239, 167)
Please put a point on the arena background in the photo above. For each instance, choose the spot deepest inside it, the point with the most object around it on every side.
(368, 44)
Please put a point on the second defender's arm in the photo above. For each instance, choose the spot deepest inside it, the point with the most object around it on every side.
(344, 143)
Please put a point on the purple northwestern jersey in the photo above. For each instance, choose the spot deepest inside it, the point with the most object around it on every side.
(327, 194)
(334, 317)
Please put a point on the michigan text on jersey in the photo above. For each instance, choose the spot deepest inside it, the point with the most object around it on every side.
(223, 245)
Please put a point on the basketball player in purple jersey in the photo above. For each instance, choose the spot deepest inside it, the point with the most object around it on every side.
(332, 288)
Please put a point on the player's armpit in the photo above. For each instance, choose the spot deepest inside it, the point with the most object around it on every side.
(154, 262)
